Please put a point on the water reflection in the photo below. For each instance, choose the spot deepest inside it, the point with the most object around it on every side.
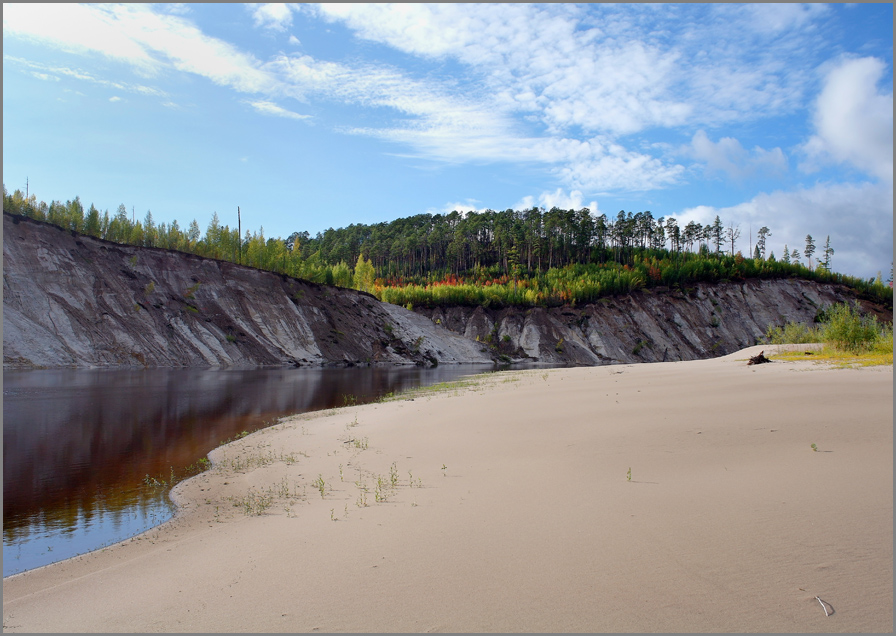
(77, 444)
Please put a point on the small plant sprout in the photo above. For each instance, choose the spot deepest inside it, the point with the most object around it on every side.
(332, 514)
(321, 485)
(341, 478)
(393, 475)
(814, 447)
(628, 476)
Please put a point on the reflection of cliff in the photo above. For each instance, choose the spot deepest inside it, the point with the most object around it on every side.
(72, 436)
(73, 300)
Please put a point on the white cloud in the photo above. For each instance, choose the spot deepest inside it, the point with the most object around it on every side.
(534, 59)
(445, 128)
(138, 36)
(75, 28)
(613, 74)
(274, 16)
(558, 198)
(269, 108)
(609, 70)
(52, 72)
(729, 157)
(176, 8)
(603, 166)
(115, 98)
(45, 77)
(854, 120)
(556, 85)
(777, 17)
(857, 217)
(464, 207)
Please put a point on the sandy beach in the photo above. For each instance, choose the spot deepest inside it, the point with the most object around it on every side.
(670, 497)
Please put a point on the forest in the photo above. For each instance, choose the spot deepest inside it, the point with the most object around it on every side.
(523, 258)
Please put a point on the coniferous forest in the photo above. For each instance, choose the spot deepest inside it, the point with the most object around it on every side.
(522, 258)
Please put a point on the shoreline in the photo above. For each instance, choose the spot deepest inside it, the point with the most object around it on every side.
(730, 521)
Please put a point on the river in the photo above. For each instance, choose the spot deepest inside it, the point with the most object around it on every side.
(79, 444)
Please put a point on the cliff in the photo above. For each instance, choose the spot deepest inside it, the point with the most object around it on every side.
(73, 300)
(704, 321)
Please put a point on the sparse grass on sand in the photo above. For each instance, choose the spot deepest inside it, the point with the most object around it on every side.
(838, 358)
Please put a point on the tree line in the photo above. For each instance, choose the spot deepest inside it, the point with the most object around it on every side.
(535, 256)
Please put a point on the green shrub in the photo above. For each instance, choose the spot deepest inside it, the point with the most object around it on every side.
(844, 327)
(841, 327)
(792, 333)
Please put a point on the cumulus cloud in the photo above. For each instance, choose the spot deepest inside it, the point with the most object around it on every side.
(464, 207)
(557, 199)
(729, 157)
(274, 16)
(854, 120)
(115, 98)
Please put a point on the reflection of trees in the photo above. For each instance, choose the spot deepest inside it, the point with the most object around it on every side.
(78, 442)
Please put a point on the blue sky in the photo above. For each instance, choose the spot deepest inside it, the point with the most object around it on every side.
(317, 116)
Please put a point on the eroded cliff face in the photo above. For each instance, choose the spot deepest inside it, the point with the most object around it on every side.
(658, 325)
(72, 300)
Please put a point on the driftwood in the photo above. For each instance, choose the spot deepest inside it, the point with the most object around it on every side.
(824, 606)
(758, 359)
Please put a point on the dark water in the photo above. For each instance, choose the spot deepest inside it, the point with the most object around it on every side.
(78, 444)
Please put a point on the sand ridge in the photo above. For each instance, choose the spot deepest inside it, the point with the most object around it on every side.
(512, 511)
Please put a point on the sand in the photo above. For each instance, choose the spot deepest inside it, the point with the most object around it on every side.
(518, 514)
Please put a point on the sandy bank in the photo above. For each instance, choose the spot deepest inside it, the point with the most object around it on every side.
(513, 511)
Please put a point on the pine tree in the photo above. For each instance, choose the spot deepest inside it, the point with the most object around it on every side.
(716, 233)
(828, 252)
(149, 230)
(763, 233)
(810, 249)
